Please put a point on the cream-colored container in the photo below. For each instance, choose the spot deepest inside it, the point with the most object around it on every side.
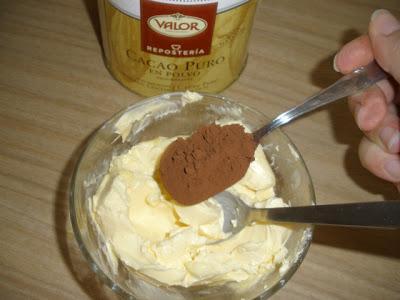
(153, 47)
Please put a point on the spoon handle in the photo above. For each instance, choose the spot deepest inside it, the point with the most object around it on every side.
(384, 214)
(349, 84)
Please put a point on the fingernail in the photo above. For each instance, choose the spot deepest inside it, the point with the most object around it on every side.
(387, 23)
(390, 137)
(377, 12)
(392, 167)
(361, 114)
(334, 64)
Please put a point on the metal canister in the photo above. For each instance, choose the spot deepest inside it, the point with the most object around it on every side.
(157, 46)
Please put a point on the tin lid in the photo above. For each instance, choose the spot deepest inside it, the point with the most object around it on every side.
(132, 7)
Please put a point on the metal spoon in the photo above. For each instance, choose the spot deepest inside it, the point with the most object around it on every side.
(381, 214)
(384, 214)
(349, 84)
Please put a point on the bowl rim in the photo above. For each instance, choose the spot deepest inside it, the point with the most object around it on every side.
(307, 233)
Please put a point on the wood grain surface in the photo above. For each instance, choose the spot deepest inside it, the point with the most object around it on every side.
(55, 90)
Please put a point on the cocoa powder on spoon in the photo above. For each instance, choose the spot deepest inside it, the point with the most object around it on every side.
(212, 159)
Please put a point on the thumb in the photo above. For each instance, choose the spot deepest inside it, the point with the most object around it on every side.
(384, 32)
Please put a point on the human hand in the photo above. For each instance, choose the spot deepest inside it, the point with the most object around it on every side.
(375, 109)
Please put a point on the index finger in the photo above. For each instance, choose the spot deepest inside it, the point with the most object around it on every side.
(359, 53)
(354, 54)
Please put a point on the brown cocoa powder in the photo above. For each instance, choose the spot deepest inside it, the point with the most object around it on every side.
(206, 163)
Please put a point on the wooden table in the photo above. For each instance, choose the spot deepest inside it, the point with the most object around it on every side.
(55, 90)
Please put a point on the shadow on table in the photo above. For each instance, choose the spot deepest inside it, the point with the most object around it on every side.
(346, 131)
(374, 241)
(73, 258)
(93, 13)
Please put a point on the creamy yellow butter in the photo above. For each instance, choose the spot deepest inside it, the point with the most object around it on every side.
(173, 243)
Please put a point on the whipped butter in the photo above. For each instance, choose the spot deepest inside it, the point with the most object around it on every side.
(173, 244)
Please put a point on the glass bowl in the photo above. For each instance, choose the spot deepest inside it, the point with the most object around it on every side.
(167, 115)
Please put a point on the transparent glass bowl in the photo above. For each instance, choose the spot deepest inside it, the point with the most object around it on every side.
(166, 115)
